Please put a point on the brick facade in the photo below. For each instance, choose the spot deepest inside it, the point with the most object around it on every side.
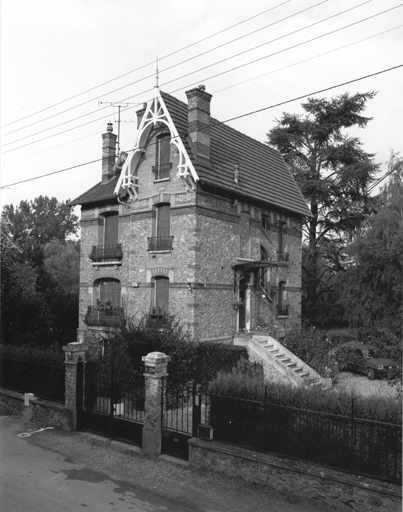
(212, 231)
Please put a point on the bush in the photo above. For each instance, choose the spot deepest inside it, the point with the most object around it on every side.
(310, 345)
(191, 361)
(249, 386)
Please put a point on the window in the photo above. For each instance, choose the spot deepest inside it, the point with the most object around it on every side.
(161, 239)
(264, 272)
(163, 163)
(106, 310)
(266, 222)
(108, 237)
(282, 255)
(108, 229)
(107, 293)
(282, 307)
(159, 296)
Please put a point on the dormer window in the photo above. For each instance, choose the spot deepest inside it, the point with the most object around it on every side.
(163, 163)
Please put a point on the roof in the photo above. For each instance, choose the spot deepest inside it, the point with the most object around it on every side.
(263, 174)
(102, 191)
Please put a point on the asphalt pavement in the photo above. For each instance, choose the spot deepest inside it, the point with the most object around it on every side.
(48, 470)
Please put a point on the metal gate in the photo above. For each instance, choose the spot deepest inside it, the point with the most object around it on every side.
(110, 405)
(181, 413)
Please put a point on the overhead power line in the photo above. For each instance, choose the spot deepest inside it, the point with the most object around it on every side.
(244, 81)
(226, 121)
(202, 69)
(150, 76)
(145, 65)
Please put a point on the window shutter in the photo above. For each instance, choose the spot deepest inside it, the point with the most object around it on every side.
(161, 295)
(111, 229)
(163, 220)
(110, 291)
(164, 153)
(101, 230)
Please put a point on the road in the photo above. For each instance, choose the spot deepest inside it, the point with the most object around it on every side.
(49, 470)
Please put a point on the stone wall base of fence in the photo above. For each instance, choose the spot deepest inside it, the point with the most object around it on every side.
(333, 489)
(50, 414)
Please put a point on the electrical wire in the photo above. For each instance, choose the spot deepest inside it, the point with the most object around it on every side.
(222, 122)
(144, 66)
(245, 81)
(201, 69)
(150, 76)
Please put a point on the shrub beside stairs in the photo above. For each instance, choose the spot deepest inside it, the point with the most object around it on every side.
(266, 349)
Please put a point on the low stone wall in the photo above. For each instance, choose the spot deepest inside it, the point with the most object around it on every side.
(334, 490)
(39, 411)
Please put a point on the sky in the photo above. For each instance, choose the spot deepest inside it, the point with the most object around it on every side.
(64, 62)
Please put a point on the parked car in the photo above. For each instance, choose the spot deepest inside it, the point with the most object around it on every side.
(360, 358)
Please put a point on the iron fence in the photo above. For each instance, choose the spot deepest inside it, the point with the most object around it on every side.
(106, 252)
(343, 442)
(160, 243)
(30, 374)
(124, 393)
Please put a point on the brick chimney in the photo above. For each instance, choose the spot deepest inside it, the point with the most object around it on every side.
(199, 120)
(108, 152)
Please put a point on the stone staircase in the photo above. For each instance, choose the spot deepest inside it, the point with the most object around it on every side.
(279, 364)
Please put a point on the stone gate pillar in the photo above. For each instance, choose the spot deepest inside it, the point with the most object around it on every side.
(73, 381)
(155, 370)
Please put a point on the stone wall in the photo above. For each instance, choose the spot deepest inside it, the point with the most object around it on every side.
(39, 411)
(331, 489)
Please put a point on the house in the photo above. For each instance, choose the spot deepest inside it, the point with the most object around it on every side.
(198, 221)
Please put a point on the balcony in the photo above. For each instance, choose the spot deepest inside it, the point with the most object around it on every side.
(101, 253)
(162, 172)
(104, 316)
(282, 310)
(160, 243)
(283, 256)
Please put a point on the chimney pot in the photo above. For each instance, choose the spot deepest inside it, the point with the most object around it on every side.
(109, 127)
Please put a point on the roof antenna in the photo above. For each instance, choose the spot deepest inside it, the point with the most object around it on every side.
(156, 75)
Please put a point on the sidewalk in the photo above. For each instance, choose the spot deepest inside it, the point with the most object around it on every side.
(162, 478)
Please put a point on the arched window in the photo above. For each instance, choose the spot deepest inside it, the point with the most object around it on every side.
(107, 294)
(159, 296)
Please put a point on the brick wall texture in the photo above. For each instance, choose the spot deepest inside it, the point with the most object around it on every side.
(210, 234)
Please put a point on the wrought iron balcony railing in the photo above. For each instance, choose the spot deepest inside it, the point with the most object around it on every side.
(106, 252)
(282, 310)
(162, 172)
(160, 243)
(282, 256)
(104, 316)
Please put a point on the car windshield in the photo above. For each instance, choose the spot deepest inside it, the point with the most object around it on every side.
(370, 353)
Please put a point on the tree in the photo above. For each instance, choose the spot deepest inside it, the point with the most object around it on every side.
(333, 173)
(39, 285)
(371, 289)
(40, 221)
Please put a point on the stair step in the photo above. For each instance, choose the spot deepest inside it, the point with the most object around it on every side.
(280, 355)
(286, 360)
(268, 346)
(299, 370)
(306, 374)
(274, 351)
(291, 365)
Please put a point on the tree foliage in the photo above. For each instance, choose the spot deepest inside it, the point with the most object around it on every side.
(39, 285)
(333, 172)
(372, 286)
